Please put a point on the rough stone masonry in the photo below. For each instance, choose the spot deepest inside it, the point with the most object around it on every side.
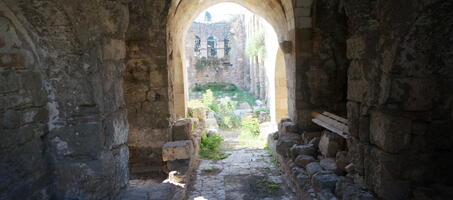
(87, 91)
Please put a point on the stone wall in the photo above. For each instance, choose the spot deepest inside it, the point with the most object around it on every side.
(399, 92)
(62, 110)
(23, 115)
(63, 116)
(321, 71)
(146, 86)
(229, 68)
(398, 87)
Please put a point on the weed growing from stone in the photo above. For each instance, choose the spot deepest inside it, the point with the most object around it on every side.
(265, 185)
(209, 170)
(210, 147)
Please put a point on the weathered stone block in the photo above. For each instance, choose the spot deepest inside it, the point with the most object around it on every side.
(285, 142)
(315, 142)
(328, 164)
(416, 94)
(308, 136)
(297, 170)
(302, 12)
(306, 149)
(357, 154)
(357, 90)
(382, 174)
(304, 22)
(353, 118)
(345, 189)
(390, 132)
(331, 143)
(313, 168)
(182, 129)
(355, 47)
(303, 160)
(342, 160)
(304, 3)
(177, 150)
(324, 181)
(287, 127)
(114, 50)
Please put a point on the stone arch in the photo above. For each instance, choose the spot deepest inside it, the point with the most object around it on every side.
(279, 13)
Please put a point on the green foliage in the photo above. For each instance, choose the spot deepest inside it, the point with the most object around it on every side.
(251, 126)
(224, 112)
(256, 45)
(262, 111)
(200, 64)
(209, 170)
(265, 185)
(222, 89)
(216, 86)
(209, 101)
(210, 147)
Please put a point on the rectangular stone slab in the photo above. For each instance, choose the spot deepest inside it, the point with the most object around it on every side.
(177, 150)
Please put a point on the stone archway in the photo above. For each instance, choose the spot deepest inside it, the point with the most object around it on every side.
(181, 15)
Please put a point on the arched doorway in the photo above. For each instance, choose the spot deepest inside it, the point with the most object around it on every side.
(279, 14)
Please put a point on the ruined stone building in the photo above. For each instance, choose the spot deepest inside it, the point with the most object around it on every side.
(90, 90)
(215, 53)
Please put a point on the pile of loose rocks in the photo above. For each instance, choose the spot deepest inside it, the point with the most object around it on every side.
(317, 163)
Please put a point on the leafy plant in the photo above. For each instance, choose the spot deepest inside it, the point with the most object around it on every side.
(209, 170)
(210, 147)
(251, 125)
(256, 45)
(200, 64)
(265, 185)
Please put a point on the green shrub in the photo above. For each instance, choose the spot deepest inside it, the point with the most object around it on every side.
(210, 147)
(251, 126)
(256, 45)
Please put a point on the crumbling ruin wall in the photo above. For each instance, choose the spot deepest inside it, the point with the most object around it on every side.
(399, 92)
(321, 72)
(23, 114)
(398, 87)
(146, 85)
(63, 113)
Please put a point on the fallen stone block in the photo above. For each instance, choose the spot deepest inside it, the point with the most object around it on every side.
(313, 168)
(315, 142)
(306, 149)
(308, 136)
(304, 160)
(303, 181)
(285, 142)
(286, 127)
(328, 164)
(331, 143)
(296, 171)
(342, 160)
(345, 189)
(177, 150)
(178, 165)
(326, 195)
(182, 129)
(324, 181)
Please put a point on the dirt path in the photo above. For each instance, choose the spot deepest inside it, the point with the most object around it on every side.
(247, 174)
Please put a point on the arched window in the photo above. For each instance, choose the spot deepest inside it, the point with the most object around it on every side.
(211, 44)
(197, 44)
(226, 44)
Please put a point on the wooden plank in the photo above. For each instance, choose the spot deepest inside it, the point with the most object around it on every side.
(336, 117)
(338, 125)
(330, 128)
